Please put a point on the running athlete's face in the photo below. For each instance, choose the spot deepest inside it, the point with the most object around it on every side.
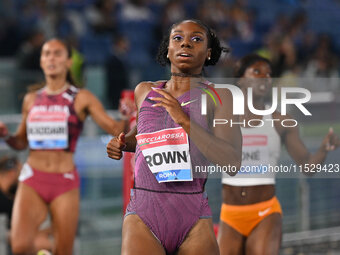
(258, 77)
(188, 48)
(54, 59)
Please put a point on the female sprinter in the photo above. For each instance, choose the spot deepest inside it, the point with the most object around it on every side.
(52, 119)
(168, 211)
(251, 214)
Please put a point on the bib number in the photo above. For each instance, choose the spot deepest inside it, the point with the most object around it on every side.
(254, 154)
(167, 154)
(47, 130)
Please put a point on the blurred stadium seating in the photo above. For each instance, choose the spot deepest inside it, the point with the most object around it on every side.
(311, 206)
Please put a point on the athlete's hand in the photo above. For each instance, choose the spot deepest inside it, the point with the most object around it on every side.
(116, 146)
(171, 105)
(331, 141)
(3, 130)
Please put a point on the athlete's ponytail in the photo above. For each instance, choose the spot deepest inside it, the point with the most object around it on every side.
(69, 77)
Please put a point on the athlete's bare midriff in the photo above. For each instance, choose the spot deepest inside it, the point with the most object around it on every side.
(51, 161)
(244, 195)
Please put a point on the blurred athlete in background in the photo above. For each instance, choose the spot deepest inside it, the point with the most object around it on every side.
(251, 216)
(52, 120)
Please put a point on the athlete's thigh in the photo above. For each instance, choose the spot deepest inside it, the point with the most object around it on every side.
(229, 240)
(266, 236)
(29, 211)
(137, 238)
(65, 213)
(200, 240)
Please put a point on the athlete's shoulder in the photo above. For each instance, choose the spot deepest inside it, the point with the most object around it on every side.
(75, 89)
(85, 94)
(30, 97)
(142, 89)
(84, 98)
(29, 100)
(147, 85)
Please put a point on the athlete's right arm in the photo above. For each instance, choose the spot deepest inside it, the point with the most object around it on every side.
(141, 91)
(18, 141)
(128, 142)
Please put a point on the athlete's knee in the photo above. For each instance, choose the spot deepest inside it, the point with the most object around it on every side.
(21, 246)
(63, 249)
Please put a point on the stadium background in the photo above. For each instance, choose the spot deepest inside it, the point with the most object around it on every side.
(115, 42)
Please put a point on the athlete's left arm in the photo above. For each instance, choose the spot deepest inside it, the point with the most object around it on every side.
(223, 145)
(87, 104)
(298, 151)
(228, 135)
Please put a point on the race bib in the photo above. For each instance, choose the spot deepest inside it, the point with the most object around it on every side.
(254, 154)
(167, 154)
(47, 130)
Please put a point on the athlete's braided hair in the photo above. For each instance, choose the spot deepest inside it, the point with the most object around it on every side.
(213, 43)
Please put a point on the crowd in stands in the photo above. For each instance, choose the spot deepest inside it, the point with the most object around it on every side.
(123, 35)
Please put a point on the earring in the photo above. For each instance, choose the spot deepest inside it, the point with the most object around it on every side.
(209, 58)
(167, 55)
